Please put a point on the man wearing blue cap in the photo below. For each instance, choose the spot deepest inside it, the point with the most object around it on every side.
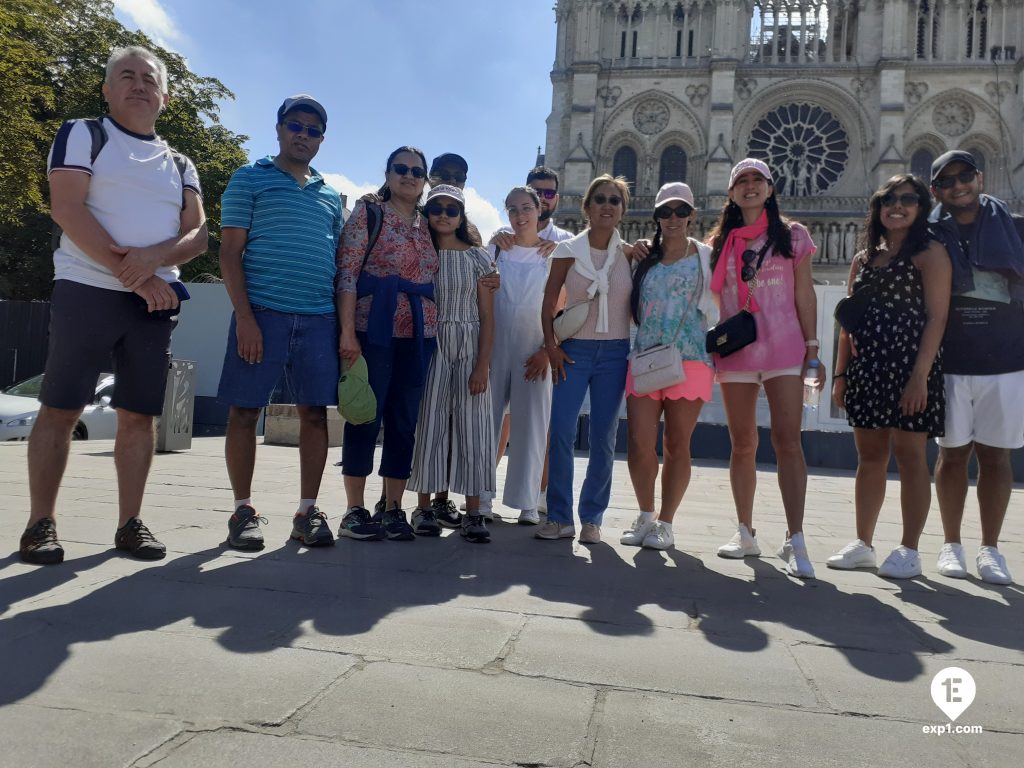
(280, 227)
(983, 358)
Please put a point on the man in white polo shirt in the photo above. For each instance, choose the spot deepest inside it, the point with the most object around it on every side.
(131, 210)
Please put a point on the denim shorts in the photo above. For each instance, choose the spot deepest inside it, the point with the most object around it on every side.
(302, 347)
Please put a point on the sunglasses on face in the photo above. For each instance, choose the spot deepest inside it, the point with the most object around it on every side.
(547, 194)
(436, 209)
(748, 272)
(609, 199)
(907, 199)
(401, 169)
(665, 211)
(296, 127)
(964, 177)
(449, 176)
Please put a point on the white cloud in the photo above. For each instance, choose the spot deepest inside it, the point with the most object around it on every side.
(484, 214)
(151, 17)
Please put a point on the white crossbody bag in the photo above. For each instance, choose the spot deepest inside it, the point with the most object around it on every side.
(661, 366)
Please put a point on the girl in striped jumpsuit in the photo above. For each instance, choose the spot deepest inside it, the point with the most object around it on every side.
(455, 434)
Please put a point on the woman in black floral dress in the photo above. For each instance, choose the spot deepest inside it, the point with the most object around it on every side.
(891, 386)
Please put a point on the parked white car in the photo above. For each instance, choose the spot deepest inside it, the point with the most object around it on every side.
(19, 408)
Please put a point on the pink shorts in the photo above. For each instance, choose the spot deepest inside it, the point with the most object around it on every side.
(697, 386)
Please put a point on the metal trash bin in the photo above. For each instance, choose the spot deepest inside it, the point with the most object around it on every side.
(174, 430)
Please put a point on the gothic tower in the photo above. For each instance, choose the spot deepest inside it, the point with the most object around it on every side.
(837, 95)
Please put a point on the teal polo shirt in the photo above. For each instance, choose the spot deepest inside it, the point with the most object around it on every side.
(289, 257)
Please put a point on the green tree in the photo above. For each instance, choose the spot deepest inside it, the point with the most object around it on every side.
(52, 57)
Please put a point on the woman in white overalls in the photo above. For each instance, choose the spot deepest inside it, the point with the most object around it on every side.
(519, 364)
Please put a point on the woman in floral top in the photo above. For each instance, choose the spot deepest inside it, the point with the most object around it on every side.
(671, 302)
(386, 305)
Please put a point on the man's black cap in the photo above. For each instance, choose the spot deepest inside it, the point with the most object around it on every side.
(449, 158)
(955, 156)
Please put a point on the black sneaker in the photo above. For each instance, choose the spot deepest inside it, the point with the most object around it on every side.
(39, 544)
(244, 529)
(357, 524)
(312, 529)
(134, 537)
(395, 525)
(424, 522)
(474, 529)
(446, 512)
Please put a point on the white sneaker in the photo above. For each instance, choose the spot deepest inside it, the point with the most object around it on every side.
(794, 552)
(856, 554)
(542, 502)
(635, 535)
(660, 538)
(902, 563)
(743, 544)
(992, 566)
(552, 530)
(529, 517)
(952, 563)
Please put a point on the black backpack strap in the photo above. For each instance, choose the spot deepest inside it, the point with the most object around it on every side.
(98, 139)
(98, 134)
(374, 221)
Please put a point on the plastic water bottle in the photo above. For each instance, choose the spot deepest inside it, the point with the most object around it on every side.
(812, 395)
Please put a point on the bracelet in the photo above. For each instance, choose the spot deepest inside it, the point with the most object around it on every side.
(839, 375)
(812, 343)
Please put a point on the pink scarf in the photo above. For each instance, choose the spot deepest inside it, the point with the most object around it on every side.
(733, 249)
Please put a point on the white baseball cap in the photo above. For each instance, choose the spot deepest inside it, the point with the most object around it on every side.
(674, 190)
(750, 164)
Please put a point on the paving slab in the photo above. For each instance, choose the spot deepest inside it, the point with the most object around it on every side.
(171, 675)
(672, 660)
(654, 731)
(44, 737)
(234, 749)
(473, 714)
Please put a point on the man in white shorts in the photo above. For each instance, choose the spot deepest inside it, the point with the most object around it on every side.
(983, 359)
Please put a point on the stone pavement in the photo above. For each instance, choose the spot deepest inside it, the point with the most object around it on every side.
(518, 653)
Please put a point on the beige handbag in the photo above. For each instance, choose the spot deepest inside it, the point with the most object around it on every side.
(661, 366)
(568, 322)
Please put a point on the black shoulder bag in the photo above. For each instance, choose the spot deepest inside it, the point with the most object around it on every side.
(740, 330)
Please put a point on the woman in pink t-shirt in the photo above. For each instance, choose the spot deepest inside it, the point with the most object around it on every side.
(755, 249)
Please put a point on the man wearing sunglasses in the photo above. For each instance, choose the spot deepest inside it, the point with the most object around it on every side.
(983, 358)
(280, 228)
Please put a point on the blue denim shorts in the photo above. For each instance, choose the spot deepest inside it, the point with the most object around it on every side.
(302, 347)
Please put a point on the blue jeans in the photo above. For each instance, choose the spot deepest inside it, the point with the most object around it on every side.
(304, 348)
(599, 366)
(398, 390)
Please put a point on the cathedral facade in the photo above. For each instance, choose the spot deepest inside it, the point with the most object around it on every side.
(836, 95)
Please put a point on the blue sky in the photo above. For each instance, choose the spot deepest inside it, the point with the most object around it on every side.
(469, 76)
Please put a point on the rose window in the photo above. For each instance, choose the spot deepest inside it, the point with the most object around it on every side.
(804, 145)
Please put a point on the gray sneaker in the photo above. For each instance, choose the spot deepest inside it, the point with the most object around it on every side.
(474, 529)
(424, 522)
(396, 528)
(312, 529)
(244, 529)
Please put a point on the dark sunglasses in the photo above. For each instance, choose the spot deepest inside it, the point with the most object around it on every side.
(665, 211)
(436, 209)
(748, 272)
(547, 194)
(296, 127)
(610, 199)
(449, 176)
(964, 177)
(907, 199)
(401, 169)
